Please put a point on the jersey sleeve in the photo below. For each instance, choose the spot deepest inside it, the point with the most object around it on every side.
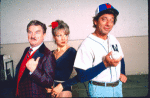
(122, 66)
(122, 60)
(84, 57)
(85, 75)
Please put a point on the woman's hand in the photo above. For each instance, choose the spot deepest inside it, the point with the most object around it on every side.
(57, 90)
(49, 90)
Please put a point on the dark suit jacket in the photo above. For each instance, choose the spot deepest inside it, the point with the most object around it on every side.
(34, 85)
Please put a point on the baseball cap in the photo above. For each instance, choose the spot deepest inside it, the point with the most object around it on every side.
(104, 7)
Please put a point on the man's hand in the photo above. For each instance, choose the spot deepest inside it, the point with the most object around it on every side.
(123, 78)
(57, 90)
(32, 64)
(111, 62)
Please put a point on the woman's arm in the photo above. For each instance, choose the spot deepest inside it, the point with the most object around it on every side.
(85, 75)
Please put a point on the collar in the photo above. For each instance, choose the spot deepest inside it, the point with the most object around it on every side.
(97, 38)
(35, 48)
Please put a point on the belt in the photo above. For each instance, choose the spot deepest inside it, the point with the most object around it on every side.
(103, 84)
(58, 81)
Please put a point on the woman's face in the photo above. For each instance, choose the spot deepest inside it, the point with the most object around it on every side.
(61, 37)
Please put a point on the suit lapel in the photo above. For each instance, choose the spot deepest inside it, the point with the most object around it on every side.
(37, 54)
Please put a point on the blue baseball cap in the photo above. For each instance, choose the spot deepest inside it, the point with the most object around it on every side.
(104, 7)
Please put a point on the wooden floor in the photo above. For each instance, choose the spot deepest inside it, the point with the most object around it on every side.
(136, 86)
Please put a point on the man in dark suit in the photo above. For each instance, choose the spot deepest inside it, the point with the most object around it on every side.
(33, 77)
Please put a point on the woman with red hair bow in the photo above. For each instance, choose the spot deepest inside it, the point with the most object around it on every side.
(65, 56)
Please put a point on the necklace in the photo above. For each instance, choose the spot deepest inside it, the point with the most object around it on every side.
(60, 51)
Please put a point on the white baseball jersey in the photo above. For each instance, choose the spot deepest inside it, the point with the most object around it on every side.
(91, 52)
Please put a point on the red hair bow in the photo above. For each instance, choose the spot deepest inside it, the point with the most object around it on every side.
(54, 24)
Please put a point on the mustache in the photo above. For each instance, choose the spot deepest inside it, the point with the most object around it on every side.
(32, 38)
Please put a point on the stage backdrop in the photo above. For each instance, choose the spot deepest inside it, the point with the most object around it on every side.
(16, 14)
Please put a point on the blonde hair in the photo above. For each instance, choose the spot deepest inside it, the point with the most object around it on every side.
(61, 25)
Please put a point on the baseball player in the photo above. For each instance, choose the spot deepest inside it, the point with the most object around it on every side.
(100, 59)
(93, 51)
